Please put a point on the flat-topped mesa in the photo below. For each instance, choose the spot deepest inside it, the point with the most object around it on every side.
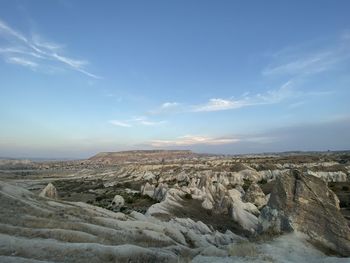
(141, 155)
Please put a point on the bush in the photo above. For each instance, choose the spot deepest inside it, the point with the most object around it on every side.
(188, 196)
(100, 197)
(127, 185)
(129, 199)
(246, 184)
(345, 188)
(263, 181)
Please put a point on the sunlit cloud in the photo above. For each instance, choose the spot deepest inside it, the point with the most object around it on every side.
(189, 140)
(42, 53)
(168, 105)
(269, 97)
(136, 121)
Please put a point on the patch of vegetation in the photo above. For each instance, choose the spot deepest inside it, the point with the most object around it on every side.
(188, 196)
(345, 188)
(265, 166)
(237, 167)
(126, 185)
(262, 181)
(246, 184)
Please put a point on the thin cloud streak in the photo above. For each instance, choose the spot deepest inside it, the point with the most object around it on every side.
(119, 123)
(43, 52)
(22, 62)
(313, 64)
(189, 140)
(136, 121)
(168, 107)
(221, 104)
(286, 92)
(298, 62)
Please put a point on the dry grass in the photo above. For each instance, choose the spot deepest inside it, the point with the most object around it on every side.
(243, 249)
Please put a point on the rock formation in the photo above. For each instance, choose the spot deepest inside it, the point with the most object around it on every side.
(118, 202)
(148, 189)
(303, 203)
(203, 209)
(255, 195)
(49, 191)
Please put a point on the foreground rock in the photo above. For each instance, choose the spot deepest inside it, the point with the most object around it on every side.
(255, 195)
(304, 203)
(117, 202)
(49, 191)
(34, 229)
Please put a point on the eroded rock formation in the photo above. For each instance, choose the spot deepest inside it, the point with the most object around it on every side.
(49, 191)
(304, 203)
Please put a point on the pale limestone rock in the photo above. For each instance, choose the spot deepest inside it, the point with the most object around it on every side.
(148, 189)
(160, 192)
(301, 202)
(182, 177)
(149, 176)
(255, 195)
(242, 213)
(118, 202)
(49, 191)
(244, 218)
(330, 176)
(207, 204)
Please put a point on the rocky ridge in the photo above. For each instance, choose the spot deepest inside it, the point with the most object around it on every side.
(202, 209)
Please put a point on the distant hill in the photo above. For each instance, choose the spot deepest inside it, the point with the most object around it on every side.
(137, 156)
(14, 164)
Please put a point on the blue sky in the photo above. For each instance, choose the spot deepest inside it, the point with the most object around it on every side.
(79, 77)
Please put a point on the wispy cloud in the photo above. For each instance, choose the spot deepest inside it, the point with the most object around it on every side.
(167, 105)
(136, 121)
(189, 140)
(303, 61)
(307, 65)
(23, 62)
(285, 92)
(34, 52)
(119, 123)
(220, 104)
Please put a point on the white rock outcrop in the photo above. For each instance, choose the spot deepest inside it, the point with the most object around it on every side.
(207, 204)
(148, 189)
(255, 195)
(118, 202)
(49, 191)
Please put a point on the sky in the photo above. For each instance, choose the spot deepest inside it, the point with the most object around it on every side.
(231, 77)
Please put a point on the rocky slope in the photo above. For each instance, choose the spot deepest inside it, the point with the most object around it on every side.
(304, 203)
(202, 209)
